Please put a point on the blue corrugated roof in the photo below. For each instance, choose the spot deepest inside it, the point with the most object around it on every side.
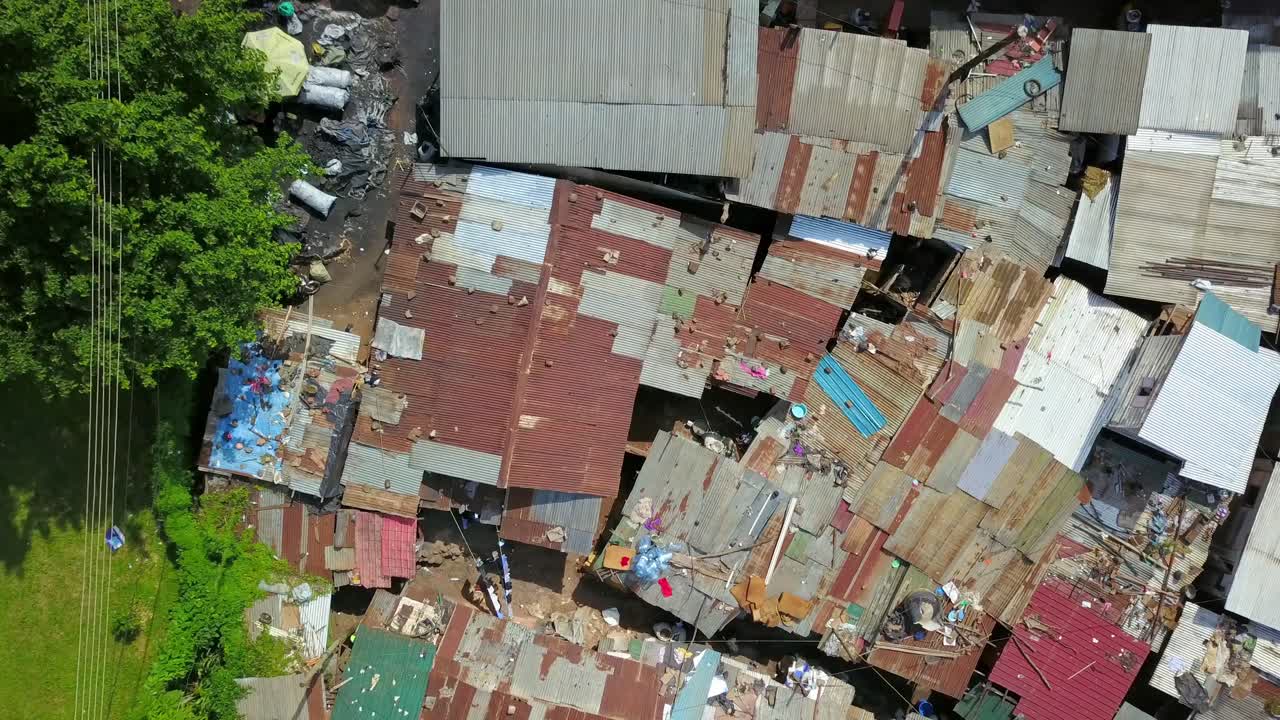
(1217, 315)
(1009, 95)
(691, 703)
(845, 393)
(837, 232)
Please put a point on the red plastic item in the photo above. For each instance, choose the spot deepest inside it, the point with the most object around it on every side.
(665, 586)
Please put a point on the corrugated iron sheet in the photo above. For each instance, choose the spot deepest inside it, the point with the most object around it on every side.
(1207, 413)
(485, 667)
(1251, 593)
(612, 83)
(1010, 94)
(1106, 72)
(1161, 212)
(851, 237)
(313, 615)
(1268, 89)
(275, 697)
(1194, 76)
(831, 274)
(1092, 228)
(369, 551)
(1081, 661)
(1067, 374)
(848, 397)
(855, 87)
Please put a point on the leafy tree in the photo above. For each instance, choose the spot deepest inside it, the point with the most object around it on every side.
(197, 188)
(206, 645)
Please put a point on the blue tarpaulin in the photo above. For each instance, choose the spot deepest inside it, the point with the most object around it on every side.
(845, 393)
(247, 439)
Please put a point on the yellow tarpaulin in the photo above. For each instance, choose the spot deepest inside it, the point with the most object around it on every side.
(285, 54)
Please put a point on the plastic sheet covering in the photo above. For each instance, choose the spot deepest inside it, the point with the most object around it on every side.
(285, 55)
(248, 436)
(398, 340)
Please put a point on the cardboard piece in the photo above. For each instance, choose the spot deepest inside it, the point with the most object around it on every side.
(794, 606)
(1000, 135)
(617, 557)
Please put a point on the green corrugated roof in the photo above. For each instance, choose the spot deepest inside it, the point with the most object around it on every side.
(798, 549)
(399, 664)
(989, 704)
(676, 303)
(1215, 314)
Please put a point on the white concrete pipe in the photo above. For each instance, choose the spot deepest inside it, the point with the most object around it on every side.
(313, 197)
(332, 77)
(323, 96)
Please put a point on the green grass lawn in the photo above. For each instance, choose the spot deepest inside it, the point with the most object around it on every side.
(42, 559)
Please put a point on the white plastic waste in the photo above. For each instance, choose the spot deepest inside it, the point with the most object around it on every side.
(329, 98)
(331, 77)
(611, 616)
(313, 197)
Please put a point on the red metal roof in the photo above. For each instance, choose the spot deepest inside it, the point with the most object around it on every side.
(1089, 662)
(778, 52)
(399, 558)
(369, 550)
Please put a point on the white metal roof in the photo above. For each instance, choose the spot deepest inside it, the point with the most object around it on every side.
(648, 85)
(1194, 76)
(1090, 239)
(1211, 407)
(1081, 343)
(1251, 594)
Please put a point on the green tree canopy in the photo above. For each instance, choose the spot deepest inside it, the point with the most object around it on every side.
(196, 218)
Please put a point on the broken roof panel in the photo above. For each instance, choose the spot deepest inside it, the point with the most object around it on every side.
(488, 666)
(1186, 652)
(612, 83)
(1106, 71)
(1087, 663)
(847, 180)
(1194, 76)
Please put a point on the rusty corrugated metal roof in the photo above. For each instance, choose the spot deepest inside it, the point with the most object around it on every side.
(539, 301)
(494, 665)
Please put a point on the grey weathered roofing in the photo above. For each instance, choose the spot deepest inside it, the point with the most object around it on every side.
(1016, 200)
(1106, 71)
(274, 698)
(1184, 208)
(1194, 76)
(601, 84)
